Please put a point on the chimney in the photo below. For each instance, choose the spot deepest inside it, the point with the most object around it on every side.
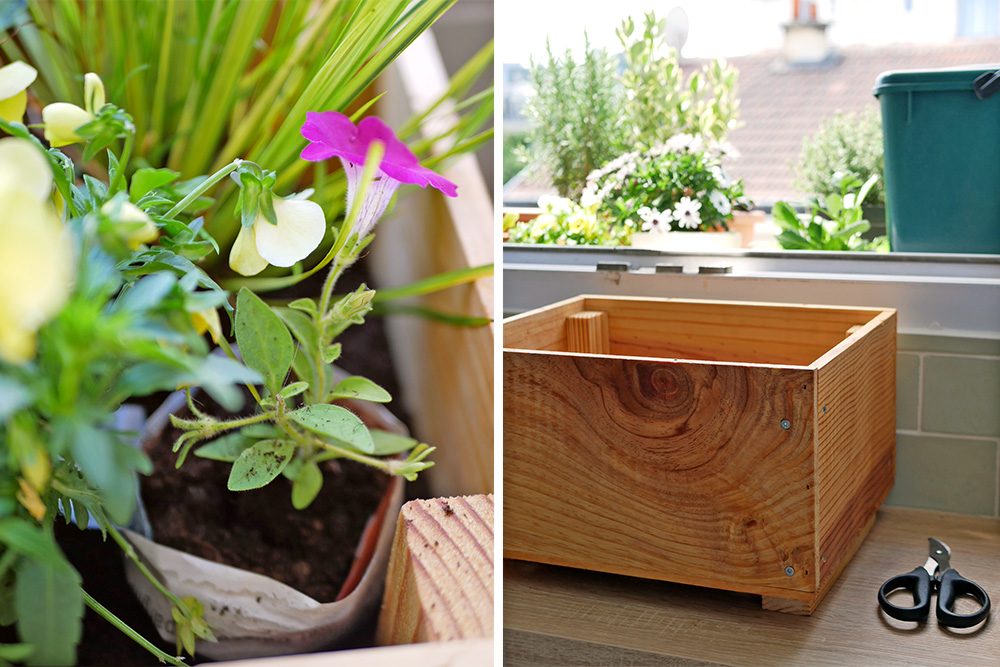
(806, 41)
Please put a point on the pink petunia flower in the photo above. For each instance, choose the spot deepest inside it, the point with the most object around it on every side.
(332, 134)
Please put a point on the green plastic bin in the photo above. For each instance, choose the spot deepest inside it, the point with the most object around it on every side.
(942, 160)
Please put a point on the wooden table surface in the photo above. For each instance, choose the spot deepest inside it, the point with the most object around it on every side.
(562, 616)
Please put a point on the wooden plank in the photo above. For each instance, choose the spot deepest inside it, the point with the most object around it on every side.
(440, 366)
(541, 329)
(856, 439)
(440, 580)
(656, 622)
(667, 470)
(587, 332)
(472, 652)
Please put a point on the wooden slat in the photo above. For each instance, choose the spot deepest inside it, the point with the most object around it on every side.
(557, 611)
(587, 332)
(440, 580)
(441, 367)
(855, 447)
(470, 652)
(676, 471)
(541, 329)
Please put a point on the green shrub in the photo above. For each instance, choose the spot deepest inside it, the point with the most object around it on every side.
(574, 112)
(514, 147)
(845, 146)
(659, 103)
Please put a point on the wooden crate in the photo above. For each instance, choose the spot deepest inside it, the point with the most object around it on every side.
(741, 446)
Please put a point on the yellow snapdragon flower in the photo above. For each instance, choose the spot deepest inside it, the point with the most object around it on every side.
(14, 81)
(62, 118)
(36, 261)
(139, 228)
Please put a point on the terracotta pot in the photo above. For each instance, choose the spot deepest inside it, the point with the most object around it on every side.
(253, 615)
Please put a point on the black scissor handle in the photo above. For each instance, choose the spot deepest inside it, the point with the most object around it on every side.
(953, 585)
(917, 582)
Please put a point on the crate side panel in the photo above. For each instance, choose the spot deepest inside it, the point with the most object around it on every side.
(542, 329)
(856, 440)
(668, 470)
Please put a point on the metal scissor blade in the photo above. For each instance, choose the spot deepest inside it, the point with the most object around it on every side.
(941, 553)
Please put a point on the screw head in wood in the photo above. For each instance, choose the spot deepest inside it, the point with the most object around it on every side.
(785, 424)
(789, 570)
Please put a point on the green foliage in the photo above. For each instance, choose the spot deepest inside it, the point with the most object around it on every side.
(264, 340)
(515, 148)
(202, 79)
(651, 189)
(844, 146)
(574, 114)
(564, 222)
(834, 222)
(658, 103)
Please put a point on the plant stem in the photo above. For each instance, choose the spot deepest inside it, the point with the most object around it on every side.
(7, 561)
(132, 556)
(129, 632)
(123, 162)
(198, 191)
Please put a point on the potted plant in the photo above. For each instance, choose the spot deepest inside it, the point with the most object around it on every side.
(106, 317)
(833, 222)
(669, 193)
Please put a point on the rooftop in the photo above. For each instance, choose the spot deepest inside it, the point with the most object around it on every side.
(781, 104)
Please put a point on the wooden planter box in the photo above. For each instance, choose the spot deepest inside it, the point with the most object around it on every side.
(741, 446)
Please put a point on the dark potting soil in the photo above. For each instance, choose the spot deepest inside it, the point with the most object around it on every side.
(311, 550)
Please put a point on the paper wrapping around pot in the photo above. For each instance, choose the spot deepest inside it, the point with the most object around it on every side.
(253, 615)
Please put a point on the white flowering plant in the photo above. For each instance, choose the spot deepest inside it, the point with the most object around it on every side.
(679, 185)
(566, 222)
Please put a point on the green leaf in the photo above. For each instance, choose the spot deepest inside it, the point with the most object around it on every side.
(305, 305)
(13, 397)
(259, 464)
(16, 652)
(227, 448)
(261, 431)
(267, 207)
(50, 611)
(294, 389)
(29, 540)
(361, 388)
(336, 422)
(146, 293)
(307, 485)
(264, 340)
(146, 180)
(108, 466)
(331, 353)
(388, 443)
(249, 198)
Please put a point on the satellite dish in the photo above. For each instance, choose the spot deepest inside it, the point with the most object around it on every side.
(676, 32)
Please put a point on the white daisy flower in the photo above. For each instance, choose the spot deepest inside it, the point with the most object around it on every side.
(720, 202)
(686, 213)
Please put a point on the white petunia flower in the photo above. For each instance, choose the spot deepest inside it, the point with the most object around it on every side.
(301, 226)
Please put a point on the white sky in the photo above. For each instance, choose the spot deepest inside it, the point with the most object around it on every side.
(716, 27)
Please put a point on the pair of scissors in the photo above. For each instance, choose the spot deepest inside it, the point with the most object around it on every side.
(935, 575)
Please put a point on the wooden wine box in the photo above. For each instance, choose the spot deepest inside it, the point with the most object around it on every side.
(741, 446)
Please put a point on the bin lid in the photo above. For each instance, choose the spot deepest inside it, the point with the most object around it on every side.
(924, 80)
